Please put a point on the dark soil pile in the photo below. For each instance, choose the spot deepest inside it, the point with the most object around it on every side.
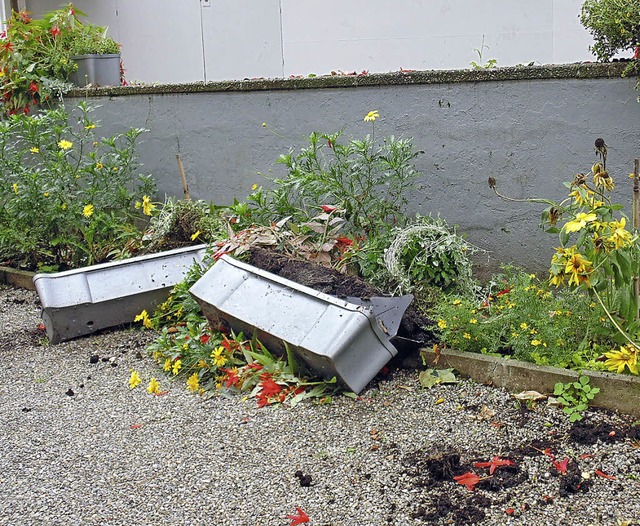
(414, 326)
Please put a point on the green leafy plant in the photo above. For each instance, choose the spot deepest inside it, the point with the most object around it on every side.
(517, 315)
(491, 63)
(369, 181)
(34, 53)
(614, 24)
(575, 397)
(68, 198)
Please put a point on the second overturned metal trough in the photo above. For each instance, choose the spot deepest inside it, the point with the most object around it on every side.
(332, 336)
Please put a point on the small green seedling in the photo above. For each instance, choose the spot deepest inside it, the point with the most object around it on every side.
(575, 397)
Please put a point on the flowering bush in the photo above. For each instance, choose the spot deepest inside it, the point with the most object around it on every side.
(520, 317)
(35, 56)
(68, 197)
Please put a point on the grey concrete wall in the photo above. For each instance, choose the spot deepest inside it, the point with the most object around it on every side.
(527, 132)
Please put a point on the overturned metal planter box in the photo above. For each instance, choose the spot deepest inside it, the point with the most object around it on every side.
(332, 336)
(81, 301)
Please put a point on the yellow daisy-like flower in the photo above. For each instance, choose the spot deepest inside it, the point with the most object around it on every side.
(15, 187)
(33, 149)
(442, 324)
(473, 321)
(167, 365)
(88, 210)
(154, 386)
(535, 343)
(580, 222)
(466, 336)
(201, 364)
(620, 237)
(64, 145)
(135, 380)
(627, 356)
(144, 318)
(177, 365)
(603, 180)
(371, 116)
(217, 355)
(578, 269)
(524, 326)
(63, 206)
(46, 194)
(457, 301)
(193, 383)
(254, 186)
(99, 166)
(195, 235)
(89, 126)
(147, 205)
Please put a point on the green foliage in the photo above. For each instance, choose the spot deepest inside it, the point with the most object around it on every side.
(67, 197)
(614, 24)
(36, 52)
(491, 63)
(369, 181)
(518, 316)
(575, 397)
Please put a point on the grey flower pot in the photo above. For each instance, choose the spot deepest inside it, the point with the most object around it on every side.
(97, 70)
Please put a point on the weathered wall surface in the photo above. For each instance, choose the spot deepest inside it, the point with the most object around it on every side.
(529, 132)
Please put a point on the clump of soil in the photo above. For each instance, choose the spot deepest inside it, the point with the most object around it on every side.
(588, 434)
(414, 326)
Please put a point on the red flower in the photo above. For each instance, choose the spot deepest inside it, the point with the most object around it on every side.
(205, 338)
(26, 110)
(637, 53)
(33, 87)
(54, 31)
(329, 143)
(328, 208)
(24, 17)
(468, 479)
(496, 462)
(7, 46)
(232, 378)
(269, 387)
(300, 518)
(561, 466)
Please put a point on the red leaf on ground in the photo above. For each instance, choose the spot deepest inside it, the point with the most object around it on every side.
(509, 511)
(468, 479)
(300, 518)
(604, 475)
(161, 393)
(328, 208)
(586, 455)
(496, 462)
(561, 466)
(135, 426)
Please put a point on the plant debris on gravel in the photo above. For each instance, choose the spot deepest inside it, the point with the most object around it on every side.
(78, 446)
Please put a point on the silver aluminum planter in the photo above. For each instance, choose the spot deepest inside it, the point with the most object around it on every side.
(81, 301)
(97, 70)
(332, 336)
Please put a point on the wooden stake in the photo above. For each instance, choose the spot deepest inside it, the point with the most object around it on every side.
(185, 187)
(636, 224)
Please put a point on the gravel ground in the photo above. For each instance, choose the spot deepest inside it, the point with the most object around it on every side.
(78, 447)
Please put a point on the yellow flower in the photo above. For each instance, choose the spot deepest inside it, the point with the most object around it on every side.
(533, 331)
(193, 383)
(603, 180)
(63, 206)
(514, 334)
(177, 365)
(144, 318)
(99, 166)
(371, 116)
(218, 359)
(64, 145)
(147, 205)
(579, 222)
(620, 237)
(46, 194)
(264, 124)
(473, 320)
(626, 356)
(33, 149)
(201, 364)
(578, 269)
(87, 211)
(535, 343)
(89, 126)
(457, 301)
(195, 236)
(466, 335)
(135, 380)
(154, 386)
(254, 186)
(15, 187)
(95, 143)
(442, 324)
(524, 326)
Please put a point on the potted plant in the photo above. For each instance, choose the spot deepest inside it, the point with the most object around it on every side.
(96, 55)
